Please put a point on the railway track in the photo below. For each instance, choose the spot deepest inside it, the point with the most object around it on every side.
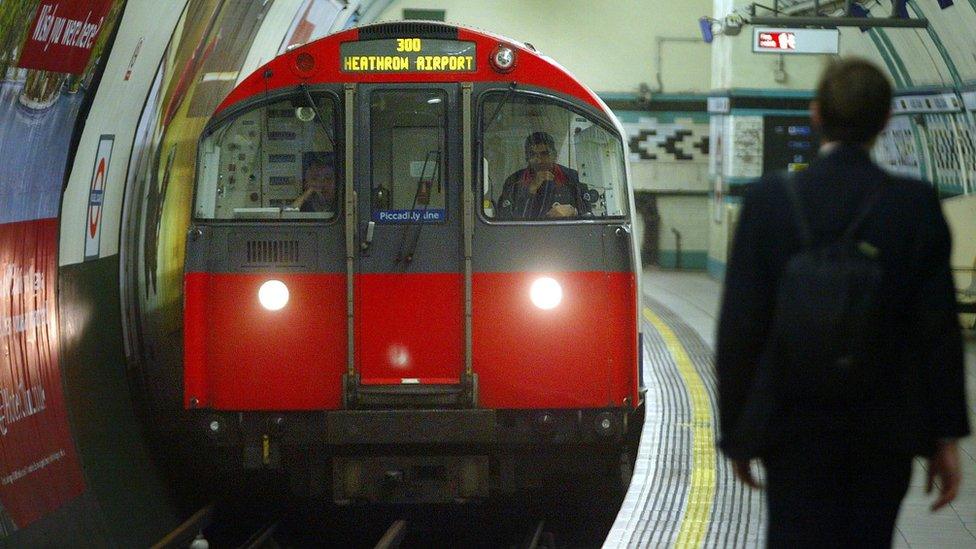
(554, 520)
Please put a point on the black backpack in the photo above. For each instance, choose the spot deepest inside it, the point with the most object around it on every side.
(827, 322)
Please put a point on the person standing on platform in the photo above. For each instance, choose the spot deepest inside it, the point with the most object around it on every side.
(839, 354)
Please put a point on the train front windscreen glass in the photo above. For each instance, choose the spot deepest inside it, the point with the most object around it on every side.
(582, 154)
(275, 161)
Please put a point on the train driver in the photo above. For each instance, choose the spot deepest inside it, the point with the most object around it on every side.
(543, 189)
(318, 184)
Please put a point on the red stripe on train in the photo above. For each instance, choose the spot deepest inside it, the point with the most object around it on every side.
(238, 356)
(531, 68)
(580, 354)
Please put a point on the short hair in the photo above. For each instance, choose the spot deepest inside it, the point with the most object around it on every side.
(539, 138)
(854, 97)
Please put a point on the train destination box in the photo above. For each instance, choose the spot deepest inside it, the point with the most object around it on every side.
(793, 41)
(408, 55)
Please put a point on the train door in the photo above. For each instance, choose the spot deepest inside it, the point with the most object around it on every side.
(409, 285)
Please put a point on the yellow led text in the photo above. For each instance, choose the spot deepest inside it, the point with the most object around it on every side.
(376, 63)
(444, 63)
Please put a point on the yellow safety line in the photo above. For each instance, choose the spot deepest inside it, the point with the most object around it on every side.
(701, 494)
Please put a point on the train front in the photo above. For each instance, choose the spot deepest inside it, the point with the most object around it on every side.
(364, 308)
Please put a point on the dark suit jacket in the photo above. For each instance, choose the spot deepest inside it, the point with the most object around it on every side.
(922, 396)
(516, 203)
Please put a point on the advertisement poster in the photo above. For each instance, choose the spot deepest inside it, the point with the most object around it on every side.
(213, 39)
(48, 53)
(314, 20)
(896, 148)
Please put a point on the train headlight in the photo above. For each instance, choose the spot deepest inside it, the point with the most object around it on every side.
(273, 295)
(503, 59)
(546, 293)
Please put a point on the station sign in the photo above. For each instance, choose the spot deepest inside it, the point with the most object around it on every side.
(929, 103)
(719, 105)
(407, 55)
(96, 197)
(969, 100)
(796, 41)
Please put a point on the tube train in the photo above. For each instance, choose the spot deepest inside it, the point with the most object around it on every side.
(410, 271)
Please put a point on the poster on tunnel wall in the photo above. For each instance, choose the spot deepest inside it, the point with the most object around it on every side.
(313, 21)
(199, 69)
(48, 54)
(63, 34)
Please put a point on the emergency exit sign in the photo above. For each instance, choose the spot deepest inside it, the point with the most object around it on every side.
(796, 41)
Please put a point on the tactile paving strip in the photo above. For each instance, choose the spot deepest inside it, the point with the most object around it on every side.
(674, 499)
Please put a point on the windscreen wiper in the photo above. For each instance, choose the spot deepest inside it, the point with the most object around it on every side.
(408, 257)
(318, 116)
(498, 109)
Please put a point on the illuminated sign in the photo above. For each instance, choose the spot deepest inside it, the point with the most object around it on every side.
(795, 41)
(777, 41)
(410, 216)
(407, 55)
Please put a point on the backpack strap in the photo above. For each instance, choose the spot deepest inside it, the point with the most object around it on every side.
(800, 220)
(862, 215)
(803, 226)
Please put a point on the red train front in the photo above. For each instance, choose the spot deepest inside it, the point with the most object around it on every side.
(410, 275)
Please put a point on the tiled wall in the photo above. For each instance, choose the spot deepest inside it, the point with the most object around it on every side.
(669, 158)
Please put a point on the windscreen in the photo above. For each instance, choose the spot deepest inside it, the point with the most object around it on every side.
(543, 161)
(275, 161)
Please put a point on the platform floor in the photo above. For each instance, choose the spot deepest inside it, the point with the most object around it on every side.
(683, 493)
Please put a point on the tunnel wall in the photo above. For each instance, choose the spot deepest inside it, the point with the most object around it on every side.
(101, 487)
(123, 475)
(105, 486)
(51, 54)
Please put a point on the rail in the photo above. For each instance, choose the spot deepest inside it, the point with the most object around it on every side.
(190, 530)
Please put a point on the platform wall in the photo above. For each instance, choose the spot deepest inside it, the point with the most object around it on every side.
(53, 431)
(931, 136)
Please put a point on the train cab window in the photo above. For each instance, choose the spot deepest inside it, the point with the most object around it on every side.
(543, 161)
(276, 161)
(407, 132)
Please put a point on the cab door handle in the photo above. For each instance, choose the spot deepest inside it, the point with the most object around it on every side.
(370, 227)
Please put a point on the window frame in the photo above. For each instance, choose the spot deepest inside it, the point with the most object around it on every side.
(444, 169)
(589, 114)
(266, 99)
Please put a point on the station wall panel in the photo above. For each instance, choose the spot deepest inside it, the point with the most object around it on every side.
(123, 476)
(669, 158)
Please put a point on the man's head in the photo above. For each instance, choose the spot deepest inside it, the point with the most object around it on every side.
(540, 151)
(853, 102)
(319, 172)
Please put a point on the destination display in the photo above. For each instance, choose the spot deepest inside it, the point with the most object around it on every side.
(790, 41)
(407, 55)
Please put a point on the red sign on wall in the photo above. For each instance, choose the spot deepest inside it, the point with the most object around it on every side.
(63, 33)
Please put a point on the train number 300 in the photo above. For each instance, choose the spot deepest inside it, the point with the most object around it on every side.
(408, 44)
